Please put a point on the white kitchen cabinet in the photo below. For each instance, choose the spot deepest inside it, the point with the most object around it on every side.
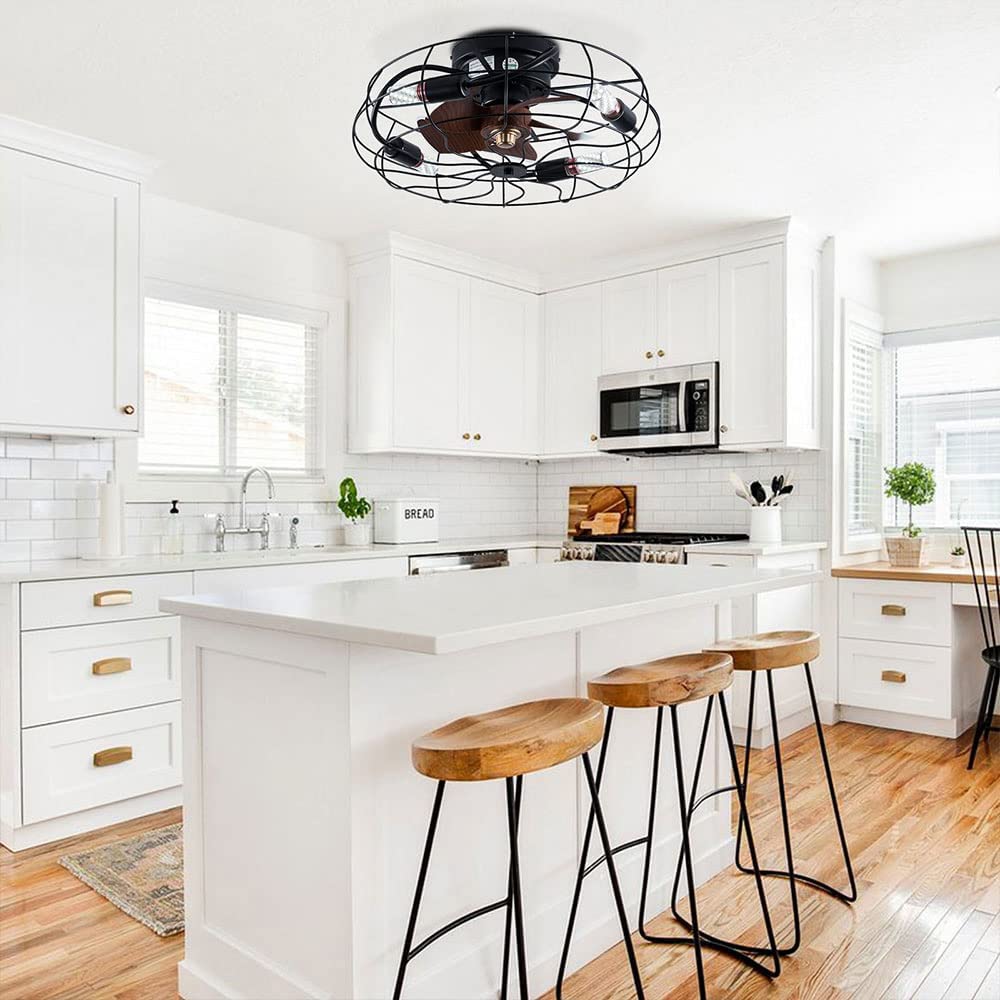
(70, 296)
(501, 371)
(441, 361)
(687, 313)
(628, 322)
(572, 364)
(769, 380)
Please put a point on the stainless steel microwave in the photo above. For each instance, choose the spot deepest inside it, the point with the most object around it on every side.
(660, 410)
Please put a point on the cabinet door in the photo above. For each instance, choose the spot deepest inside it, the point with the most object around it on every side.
(751, 350)
(572, 366)
(629, 323)
(687, 313)
(502, 369)
(69, 298)
(430, 309)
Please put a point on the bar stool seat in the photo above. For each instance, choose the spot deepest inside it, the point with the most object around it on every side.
(672, 680)
(510, 741)
(770, 650)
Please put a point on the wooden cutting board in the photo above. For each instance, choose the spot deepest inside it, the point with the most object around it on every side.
(586, 502)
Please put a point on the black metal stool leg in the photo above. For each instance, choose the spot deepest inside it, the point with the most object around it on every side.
(613, 876)
(510, 899)
(653, 790)
(421, 879)
(585, 850)
(987, 706)
(515, 891)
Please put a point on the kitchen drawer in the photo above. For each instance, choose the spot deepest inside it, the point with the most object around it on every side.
(964, 594)
(59, 773)
(896, 611)
(214, 581)
(68, 673)
(922, 684)
(54, 603)
(707, 559)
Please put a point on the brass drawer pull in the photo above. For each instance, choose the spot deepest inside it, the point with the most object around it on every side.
(113, 755)
(106, 598)
(112, 665)
(894, 610)
(894, 676)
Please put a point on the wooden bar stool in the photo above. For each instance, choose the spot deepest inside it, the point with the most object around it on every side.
(667, 683)
(508, 744)
(767, 652)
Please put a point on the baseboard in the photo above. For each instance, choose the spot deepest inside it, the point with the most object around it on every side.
(193, 984)
(947, 728)
(20, 838)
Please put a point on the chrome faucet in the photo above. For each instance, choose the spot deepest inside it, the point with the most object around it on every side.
(263, 529)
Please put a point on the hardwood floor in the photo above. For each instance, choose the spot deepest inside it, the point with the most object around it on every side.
(924, 833)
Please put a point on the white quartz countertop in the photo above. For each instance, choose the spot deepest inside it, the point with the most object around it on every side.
(450, 612)
(755, 548)
(68, 569)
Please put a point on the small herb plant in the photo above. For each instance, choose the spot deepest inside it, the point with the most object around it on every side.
(913, 483)
(958, 550)
(755, 494)
(353, 507)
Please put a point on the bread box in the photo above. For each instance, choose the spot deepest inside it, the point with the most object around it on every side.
(408, 519)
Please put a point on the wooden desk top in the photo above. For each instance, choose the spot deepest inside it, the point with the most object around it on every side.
(931, 573)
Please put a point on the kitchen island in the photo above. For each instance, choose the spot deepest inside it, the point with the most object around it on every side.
(304, 820)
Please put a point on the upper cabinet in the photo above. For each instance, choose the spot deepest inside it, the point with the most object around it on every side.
(70, 297)
(628, 323)
(441, 361)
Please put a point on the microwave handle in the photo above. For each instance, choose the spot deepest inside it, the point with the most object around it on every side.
(682, 404)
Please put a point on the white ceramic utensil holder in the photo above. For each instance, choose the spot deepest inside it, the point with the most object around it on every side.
(765, 524)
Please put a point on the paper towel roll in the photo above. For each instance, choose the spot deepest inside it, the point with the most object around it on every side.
(111, 539)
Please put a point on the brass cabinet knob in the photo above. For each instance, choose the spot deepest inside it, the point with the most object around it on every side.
(661, 353)
(894, 610)
(477, 437)
(649, 354)
(723, 428)
(113, 755)
(466, 436)
(112, 665)
(593, 437)
(108, 598)
(128, 409)
(894, 676)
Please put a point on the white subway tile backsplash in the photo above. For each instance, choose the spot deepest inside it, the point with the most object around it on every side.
(14, 509)
(23, 447)
(15, 468)
(42, 468)
(28, 489)
(17, 530)
(66, 549)
(78, 449)
(53, 508)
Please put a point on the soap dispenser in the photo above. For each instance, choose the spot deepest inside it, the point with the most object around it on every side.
(173, 540)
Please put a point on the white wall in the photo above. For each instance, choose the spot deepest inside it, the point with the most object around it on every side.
(941, 289)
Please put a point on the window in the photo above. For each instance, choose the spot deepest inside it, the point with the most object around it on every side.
(229, 385)
(943, 409)
(862, 454)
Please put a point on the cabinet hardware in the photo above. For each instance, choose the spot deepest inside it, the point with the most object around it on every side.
(661, 354)
(112, 665)
(723, 429)
(894, 610)
(477, 437)
(593, 437)
(649, 354)
(106, 598)
(113, 755)
(894, 676)
(466, 436)
(128, 409)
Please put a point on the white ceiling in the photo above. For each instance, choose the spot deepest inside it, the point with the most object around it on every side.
(870, 118)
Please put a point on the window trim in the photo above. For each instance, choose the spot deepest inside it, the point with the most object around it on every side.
(327, 314)
(857, 323)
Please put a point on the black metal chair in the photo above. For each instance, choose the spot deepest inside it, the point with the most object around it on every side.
(981, 544)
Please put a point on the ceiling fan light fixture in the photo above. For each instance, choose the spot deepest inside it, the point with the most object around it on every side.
(503, 117)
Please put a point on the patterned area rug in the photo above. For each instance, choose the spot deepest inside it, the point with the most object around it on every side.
(143, 876)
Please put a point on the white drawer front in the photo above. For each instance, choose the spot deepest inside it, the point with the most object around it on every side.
(896, 677)
(214, 581)
(964, 594)
(59, 772)
(68, 673)
(896, 611)
(707, 559)
(54, 603)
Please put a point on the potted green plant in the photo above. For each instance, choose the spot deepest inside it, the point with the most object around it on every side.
(913, 483)
(357, 531)
(958, 557)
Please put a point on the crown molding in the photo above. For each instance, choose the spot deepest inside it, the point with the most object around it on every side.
(27, 137)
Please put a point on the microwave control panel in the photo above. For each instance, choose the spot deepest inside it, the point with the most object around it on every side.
(698, 413)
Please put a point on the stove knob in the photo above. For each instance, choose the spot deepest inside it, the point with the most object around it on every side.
(673, 557)
(661, 557)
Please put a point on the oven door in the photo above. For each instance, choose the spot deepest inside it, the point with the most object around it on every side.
(660, 409)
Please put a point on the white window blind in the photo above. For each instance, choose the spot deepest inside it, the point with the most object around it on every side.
(862, 433)
(227, 388)
(944, 411)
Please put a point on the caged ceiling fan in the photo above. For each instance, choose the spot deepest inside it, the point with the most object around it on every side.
(506, 118)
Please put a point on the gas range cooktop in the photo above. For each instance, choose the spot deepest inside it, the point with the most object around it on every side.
(663, 547)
